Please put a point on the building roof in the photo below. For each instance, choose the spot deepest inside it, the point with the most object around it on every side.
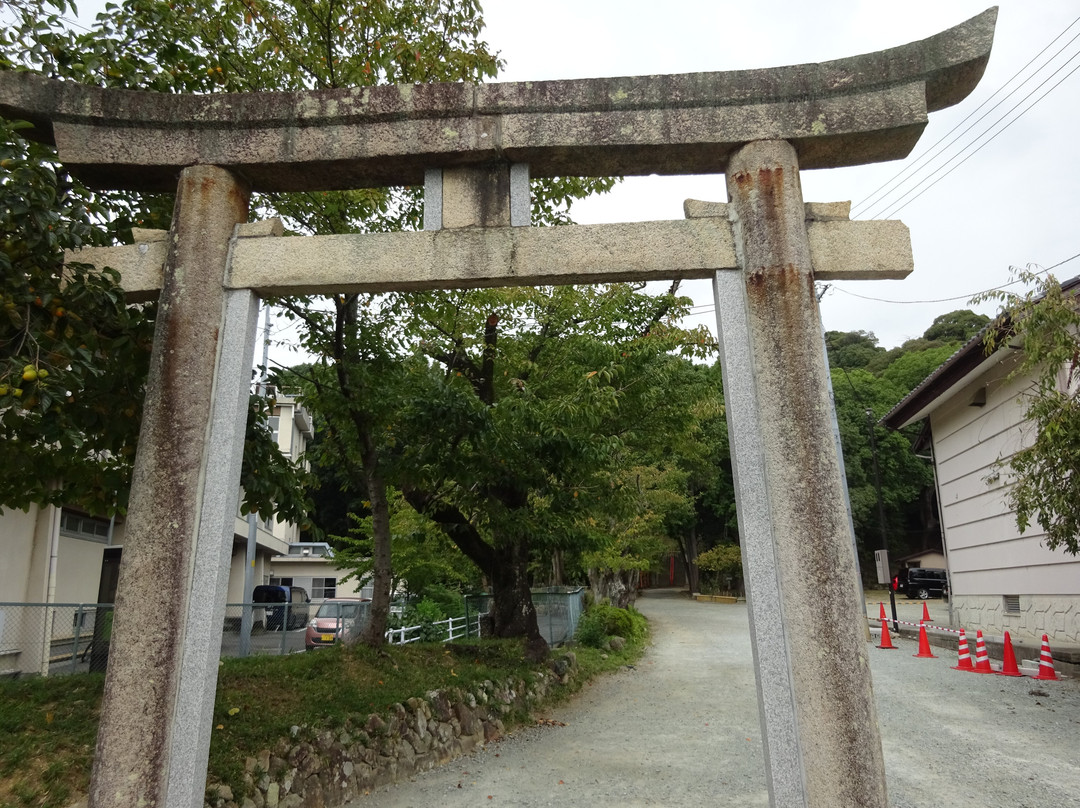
(970, 360)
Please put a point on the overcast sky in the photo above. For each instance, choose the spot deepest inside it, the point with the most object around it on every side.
(1014, 201)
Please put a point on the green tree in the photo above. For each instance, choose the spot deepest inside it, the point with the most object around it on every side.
(74, 356)
(534, 396)
(861, 400)
(956, 326)
(852, 349)
(1044, 323)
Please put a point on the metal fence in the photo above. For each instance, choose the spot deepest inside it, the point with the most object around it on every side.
(53, 638)
(558, 609)
(448, 630)
(48, 639)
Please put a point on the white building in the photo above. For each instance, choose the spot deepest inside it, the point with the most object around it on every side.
(54, 556)
(1001, 580)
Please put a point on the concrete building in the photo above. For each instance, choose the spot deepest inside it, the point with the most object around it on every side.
(61, 555)
(1001, 580)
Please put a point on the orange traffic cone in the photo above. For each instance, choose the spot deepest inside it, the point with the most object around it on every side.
(982, 661)
(925, 612)
(886, 640)
(1008, 662)
(881, 613)
(964, 658)
(924, 643)
(1046, 662)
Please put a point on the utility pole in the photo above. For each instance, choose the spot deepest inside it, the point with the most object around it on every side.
(881, 508)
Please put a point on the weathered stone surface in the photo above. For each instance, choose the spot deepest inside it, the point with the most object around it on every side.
(516, 256)
(843, 112)
(175, 565)
(820, 727)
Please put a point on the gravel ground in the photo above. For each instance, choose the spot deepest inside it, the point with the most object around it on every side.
(681, 728)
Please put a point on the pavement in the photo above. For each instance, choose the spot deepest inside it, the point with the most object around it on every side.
(682, 728)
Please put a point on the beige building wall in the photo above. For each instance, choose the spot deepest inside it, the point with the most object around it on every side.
(303, 570)
(17, 533)
(78, 570)
(1001, 580)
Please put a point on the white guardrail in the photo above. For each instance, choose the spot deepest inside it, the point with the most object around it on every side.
(451, 628)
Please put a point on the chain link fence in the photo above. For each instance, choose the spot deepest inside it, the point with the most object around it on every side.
(50, 639)
(47, 639)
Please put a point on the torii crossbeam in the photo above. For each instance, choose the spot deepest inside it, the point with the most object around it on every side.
(474, 148)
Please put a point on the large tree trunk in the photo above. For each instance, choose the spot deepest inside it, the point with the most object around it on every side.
(558, 569)
(689, 554)
(382, 571)
(513, 611)
(506, 567)
(619, 588)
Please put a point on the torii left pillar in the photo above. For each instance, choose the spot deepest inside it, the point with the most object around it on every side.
(180, 523)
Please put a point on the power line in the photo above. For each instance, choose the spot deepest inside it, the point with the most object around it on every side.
(959, 297)
(706, 308)
(897, 206)
(930, 153)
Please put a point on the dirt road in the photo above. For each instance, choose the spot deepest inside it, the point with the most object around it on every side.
(682, 728)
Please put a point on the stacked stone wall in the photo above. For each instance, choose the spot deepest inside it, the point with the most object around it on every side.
(320, 768)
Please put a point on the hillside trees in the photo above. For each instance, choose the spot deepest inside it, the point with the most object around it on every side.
(867, 382)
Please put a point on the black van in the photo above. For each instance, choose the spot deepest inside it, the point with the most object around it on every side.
(295, 596)
(924, 582)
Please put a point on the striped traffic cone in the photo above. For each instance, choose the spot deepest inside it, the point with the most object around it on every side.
(964, 658)
(924, 643)
(982, 661)
(1046, 662)
(1008, 661)
(886, 640)
(925, 612)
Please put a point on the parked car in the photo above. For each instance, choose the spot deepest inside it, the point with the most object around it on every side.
(337, 620)
(295, 596)
(923, 582)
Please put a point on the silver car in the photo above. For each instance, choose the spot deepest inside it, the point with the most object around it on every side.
(337, 620)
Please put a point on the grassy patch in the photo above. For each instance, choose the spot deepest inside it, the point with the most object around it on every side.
(48, 726)
(47, 730)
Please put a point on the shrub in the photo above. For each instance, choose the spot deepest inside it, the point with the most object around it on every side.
(603, 621)
(449, 601)
(723, 565)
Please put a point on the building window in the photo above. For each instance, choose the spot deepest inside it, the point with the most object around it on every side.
(274, 422)
(281, 582)
(1011, 604)
(78, 526)
(323, 588)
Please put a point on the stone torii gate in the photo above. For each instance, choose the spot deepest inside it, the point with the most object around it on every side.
(474, 148)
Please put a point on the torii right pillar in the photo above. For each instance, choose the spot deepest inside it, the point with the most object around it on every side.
(821, 739)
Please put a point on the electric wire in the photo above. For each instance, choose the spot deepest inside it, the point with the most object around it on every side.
(897, 206)
(873, 197)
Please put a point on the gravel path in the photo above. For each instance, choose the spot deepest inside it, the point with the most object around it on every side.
(681, 728)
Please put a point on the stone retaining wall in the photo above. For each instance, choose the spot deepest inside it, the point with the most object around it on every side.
(315, 768)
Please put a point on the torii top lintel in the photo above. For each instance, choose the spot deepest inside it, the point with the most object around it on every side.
(849, 111)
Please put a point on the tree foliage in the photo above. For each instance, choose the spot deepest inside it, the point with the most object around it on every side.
(1044, 323)
(73, 355)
